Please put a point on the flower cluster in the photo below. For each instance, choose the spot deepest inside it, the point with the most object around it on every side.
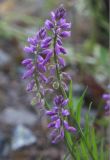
(43, 66)
(39, 46)
(39, 55)
(58, 115)
(60, 29)
(106, 97)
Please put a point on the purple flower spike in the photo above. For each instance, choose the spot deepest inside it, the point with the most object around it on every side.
(46, 49)
(49, 25)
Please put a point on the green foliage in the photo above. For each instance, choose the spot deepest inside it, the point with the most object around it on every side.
(87, 146)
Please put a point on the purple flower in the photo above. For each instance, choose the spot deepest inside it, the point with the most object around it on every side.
(29, 49)
(66, 26)
(30, 85)
(32, 41)
(59, 42)
(106, 97)
(29, 73)
(51, 124)
(57, 139)
(41, 67)
(48, 56)
(48, 24)
(42, 33)
(43, 77)
(47, 51)
(62, 50)
(27, 61)
(57, 123)
(69, 128)
(57, 49)
(65, 112)
(29, 66)
(65, 34)
(61, 61)
(60, 13)
(60, 101)
(46, 42)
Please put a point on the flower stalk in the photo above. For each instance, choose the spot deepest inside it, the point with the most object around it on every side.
(37, 70)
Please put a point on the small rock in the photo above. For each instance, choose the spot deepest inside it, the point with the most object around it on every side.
(3, 80)
(4, 145)
(13, 116)
(5, 59)
(22, 137)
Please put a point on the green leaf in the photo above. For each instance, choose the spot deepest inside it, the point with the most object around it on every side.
(84, 151)
(79, 107)
(68, 138)
(70, 144)
(94, 144)
(102, 151)
(70, 104)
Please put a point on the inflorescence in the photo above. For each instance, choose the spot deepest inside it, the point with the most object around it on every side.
(44, 65)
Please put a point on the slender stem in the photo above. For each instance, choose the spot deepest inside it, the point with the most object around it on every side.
(57, 69)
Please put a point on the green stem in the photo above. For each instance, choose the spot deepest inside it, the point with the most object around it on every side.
(57, 69)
